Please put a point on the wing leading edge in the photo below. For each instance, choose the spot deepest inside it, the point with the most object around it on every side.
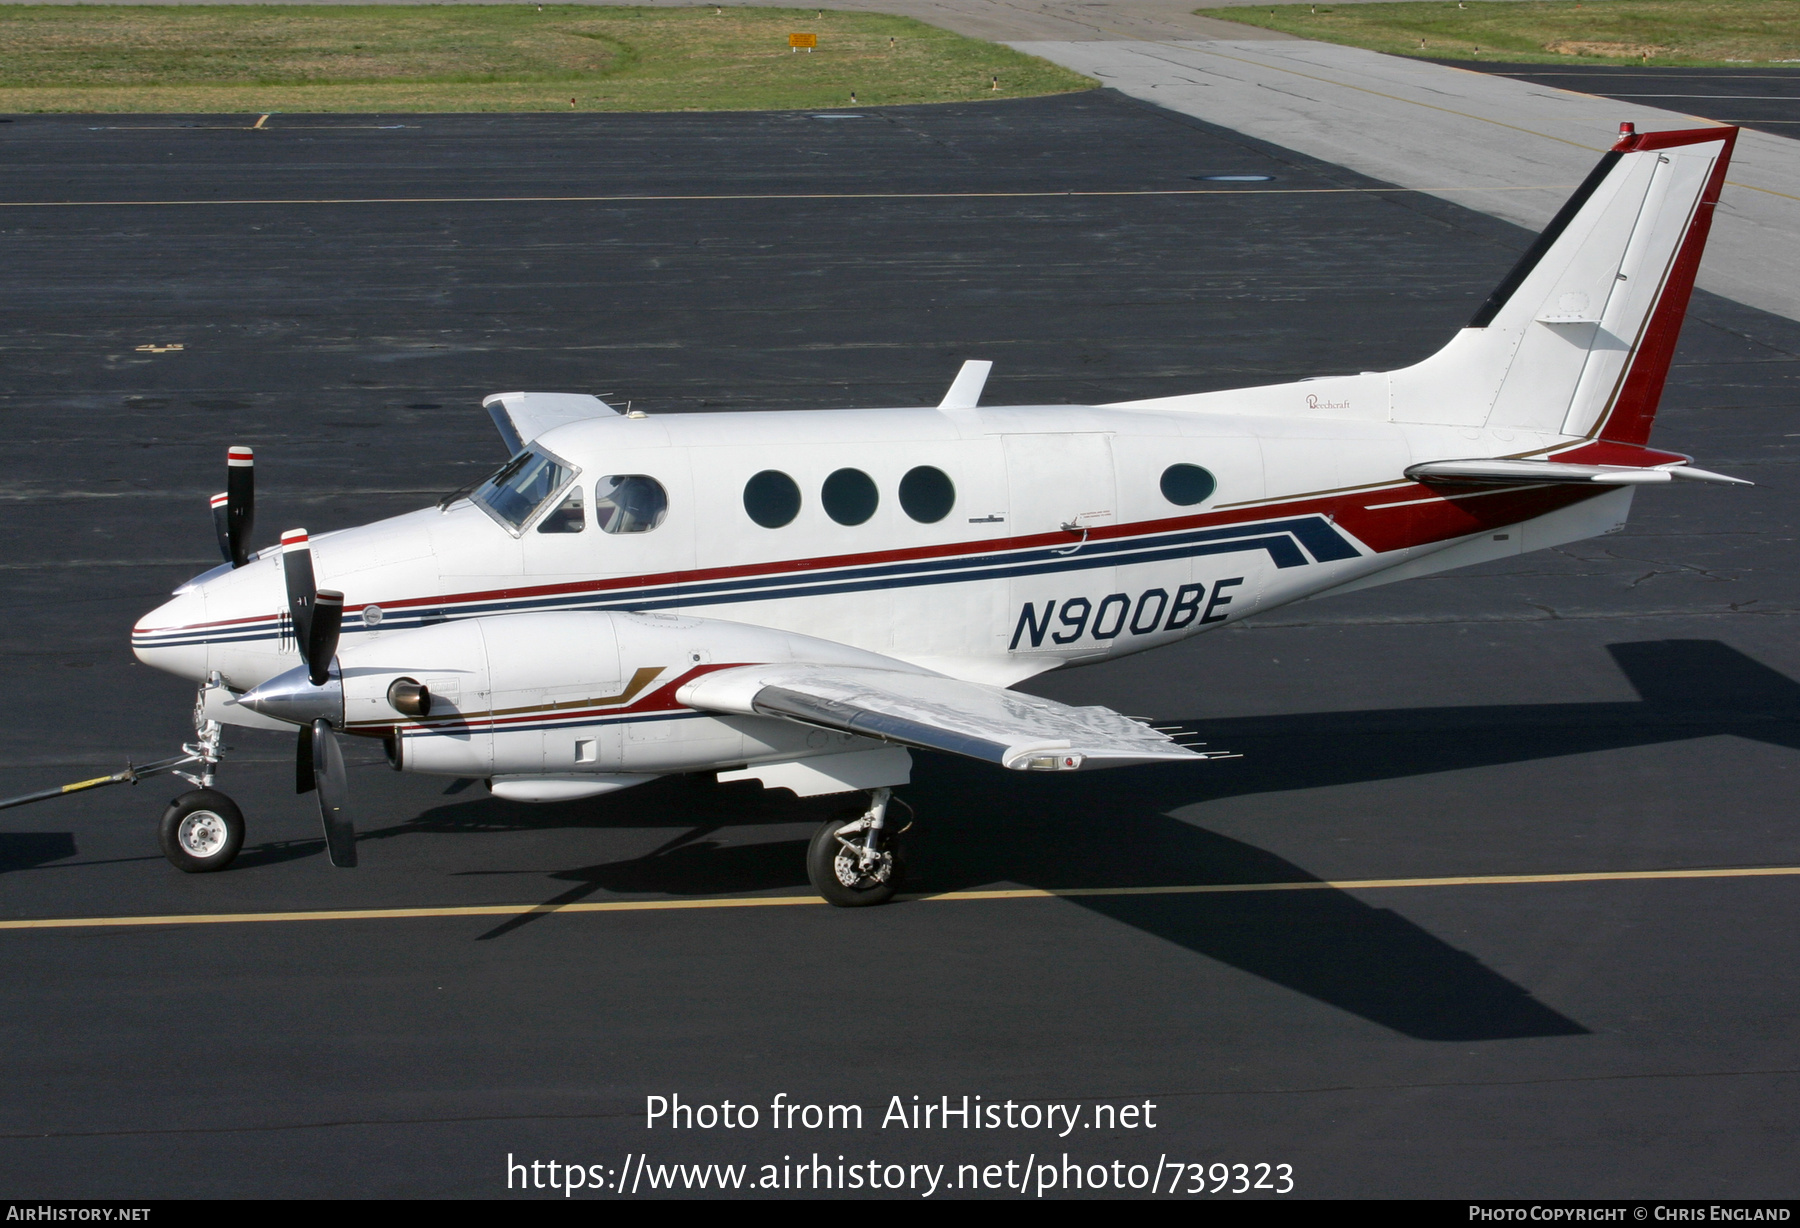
(932, 712)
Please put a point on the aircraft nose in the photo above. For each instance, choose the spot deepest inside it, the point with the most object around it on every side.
(171, 637)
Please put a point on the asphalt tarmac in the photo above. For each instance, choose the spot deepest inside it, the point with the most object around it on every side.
(1619, 707)
(1761, 96)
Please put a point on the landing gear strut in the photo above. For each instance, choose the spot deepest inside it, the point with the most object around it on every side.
(202, 830)
(855, 858)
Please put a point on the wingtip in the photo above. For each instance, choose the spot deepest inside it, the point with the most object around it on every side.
(1706, 475)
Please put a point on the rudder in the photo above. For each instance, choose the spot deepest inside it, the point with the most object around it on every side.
(1577, 339)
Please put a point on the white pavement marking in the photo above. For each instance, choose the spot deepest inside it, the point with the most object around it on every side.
(1414, 123)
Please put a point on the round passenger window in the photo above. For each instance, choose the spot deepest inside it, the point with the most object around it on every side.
(1186, 485)
(849, 496)
(927, 494)
(771, 498)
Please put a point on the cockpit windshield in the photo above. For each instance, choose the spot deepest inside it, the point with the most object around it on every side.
(524, 484)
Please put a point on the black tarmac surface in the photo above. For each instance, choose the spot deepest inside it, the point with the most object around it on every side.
(1624, 704)
(1762, 96)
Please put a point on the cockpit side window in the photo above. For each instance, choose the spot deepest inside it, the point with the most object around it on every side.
(524, 484)
(629, 503)
(568, 516)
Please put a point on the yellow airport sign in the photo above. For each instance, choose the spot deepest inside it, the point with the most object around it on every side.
(808, 41)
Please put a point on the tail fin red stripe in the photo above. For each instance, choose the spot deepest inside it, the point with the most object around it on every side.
(1634, 410)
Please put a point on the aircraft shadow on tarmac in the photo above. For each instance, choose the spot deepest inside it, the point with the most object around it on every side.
(24, 850)
(1114, 830)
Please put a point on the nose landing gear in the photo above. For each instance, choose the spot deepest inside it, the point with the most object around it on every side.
(855, 859)
(202, 829)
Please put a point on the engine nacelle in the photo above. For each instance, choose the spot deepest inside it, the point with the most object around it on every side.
(568, 694)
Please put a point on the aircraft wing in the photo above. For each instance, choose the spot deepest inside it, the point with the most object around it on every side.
(1022, 732)
(522, 416)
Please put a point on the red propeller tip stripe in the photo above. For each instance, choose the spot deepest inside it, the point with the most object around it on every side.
(240, 456)
(218, 499)
(293, 538)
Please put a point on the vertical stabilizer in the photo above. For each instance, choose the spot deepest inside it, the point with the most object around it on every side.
(1578, 337)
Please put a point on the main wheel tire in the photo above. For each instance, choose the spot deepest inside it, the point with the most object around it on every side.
(202, 831)
(834, 873)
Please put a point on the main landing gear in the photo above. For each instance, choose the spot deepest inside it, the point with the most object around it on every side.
(856, 858)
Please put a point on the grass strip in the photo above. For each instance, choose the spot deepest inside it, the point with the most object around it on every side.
(502, 57)
(1668, 33)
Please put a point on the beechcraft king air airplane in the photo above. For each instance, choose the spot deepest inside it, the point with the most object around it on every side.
(799, 598)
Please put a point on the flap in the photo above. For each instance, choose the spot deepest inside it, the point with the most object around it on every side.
(1022, 732)
(1516, 472)
(522, 416)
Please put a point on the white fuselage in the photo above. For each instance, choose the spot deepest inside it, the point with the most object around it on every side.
(1073, 534)
(558, 659)
(1060, 546)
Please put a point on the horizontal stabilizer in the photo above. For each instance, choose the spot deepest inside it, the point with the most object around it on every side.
(1022, 732)
(1515, 472)
(522, 416)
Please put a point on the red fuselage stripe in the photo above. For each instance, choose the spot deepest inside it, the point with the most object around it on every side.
(1382, 529)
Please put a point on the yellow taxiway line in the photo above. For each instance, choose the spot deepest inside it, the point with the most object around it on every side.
(743, 196)
(777, 901)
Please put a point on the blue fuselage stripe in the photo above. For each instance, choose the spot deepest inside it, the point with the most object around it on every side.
(1277, 538)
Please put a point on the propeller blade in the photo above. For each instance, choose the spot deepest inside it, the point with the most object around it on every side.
(334, 795)
(240, 503)
(222, 524)
(297, 566)
(322, 636)
(305, 781)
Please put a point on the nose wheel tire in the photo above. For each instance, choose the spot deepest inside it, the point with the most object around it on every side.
(202, 831)
(842, 874)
